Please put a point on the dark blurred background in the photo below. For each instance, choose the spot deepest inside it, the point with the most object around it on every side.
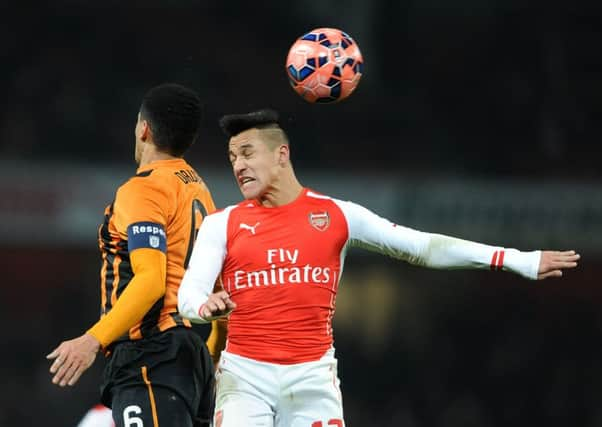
(476, 118)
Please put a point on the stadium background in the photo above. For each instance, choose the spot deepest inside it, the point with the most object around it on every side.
(479, 119)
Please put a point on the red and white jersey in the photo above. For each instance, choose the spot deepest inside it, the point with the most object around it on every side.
(282, 267)
(97, 416)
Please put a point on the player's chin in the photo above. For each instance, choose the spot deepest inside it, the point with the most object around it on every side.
(249, 190)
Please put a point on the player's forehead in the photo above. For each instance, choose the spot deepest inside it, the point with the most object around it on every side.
(247, 139)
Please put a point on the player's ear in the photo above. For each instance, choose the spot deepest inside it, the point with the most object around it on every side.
(144, 131)
(283, 154)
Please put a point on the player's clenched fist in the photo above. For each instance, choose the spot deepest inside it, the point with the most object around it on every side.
(218, 305)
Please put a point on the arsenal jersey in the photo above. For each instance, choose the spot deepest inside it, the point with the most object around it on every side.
(282, 266)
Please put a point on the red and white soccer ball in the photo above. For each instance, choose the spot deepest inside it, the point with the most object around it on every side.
(324, 65)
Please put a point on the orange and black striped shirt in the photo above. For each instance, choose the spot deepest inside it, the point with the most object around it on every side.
(161, 208)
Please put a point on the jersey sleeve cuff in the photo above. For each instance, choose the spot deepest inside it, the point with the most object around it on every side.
(524, 263)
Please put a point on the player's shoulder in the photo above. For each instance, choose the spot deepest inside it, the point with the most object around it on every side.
(223, 216)
(177, 170)
(316, 195)
(162, 177)
(239, 207)
(347, 207)
(142, 180)
(220, 214)
(320, 199)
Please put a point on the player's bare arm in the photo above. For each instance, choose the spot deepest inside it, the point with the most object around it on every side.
(553, 262)
(72, 358)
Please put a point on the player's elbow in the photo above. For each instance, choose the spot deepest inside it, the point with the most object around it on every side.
(181, 305)
(184, 306)
(189, 301)
(158, 290)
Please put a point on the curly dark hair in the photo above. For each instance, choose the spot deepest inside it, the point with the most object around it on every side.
(174, 114)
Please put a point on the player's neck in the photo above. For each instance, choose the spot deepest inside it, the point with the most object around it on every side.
(152, 155)
(282, 193)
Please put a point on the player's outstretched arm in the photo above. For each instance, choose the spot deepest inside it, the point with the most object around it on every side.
(369, 231)
(552, 263)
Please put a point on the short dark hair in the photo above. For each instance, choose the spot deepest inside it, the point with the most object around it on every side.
(233, 124)
(174, 114)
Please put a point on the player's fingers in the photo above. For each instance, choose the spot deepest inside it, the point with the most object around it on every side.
(69, 374)
(60, 373)
(209, 310)
(210, 306)
(574, 257)
(219, 304)
(53, 354)
(565, 264)
(205, 312)
(58, 362)
(571, 252)
(78, 373)
(566, 255)
(552, 273)
(222, 294)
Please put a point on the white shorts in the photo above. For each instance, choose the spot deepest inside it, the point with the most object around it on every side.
(260, 394)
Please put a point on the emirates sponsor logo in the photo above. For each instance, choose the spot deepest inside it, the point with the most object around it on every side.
(283, 268)
(319, 220)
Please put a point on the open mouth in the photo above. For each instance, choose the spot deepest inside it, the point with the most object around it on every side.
(245, 180)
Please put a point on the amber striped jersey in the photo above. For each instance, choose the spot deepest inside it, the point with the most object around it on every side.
(161, 208)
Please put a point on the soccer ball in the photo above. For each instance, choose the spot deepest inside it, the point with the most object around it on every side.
(324, 65)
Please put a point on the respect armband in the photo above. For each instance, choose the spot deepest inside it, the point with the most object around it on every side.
(147, 235)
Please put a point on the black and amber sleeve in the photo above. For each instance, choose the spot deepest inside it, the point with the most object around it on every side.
(140, 215)
(145, 288)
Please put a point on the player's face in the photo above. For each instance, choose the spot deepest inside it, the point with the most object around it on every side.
(255, 163)
(141, 132)
(139, 144)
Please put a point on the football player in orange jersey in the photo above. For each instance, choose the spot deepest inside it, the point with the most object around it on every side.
(280, 254)
(158, 371)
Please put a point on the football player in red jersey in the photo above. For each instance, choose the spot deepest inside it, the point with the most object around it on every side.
(280, 255)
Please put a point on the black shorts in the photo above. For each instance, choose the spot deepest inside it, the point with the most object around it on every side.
(165, 380)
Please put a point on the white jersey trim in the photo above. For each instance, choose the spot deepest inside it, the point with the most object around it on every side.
(372, 232)
(205, 265)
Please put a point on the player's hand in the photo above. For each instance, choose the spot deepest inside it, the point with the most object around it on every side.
(217, 305)
(72, 358)
(553, 262)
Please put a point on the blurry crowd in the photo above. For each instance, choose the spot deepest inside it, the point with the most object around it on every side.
(488, 88)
